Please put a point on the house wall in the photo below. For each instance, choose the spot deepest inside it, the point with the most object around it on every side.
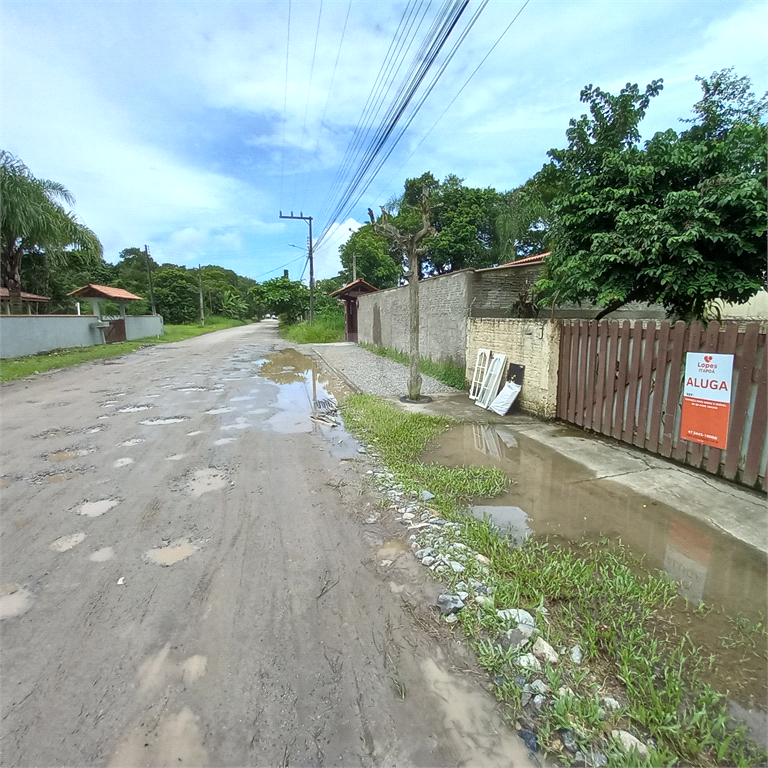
(534, 344)
(383, 318)
(495, 291)
(22, 335)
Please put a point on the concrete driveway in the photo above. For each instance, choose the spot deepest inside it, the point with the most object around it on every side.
(187, 578)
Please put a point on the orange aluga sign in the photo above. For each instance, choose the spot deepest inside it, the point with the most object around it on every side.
(707, 398)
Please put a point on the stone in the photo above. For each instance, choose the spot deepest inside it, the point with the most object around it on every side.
(456, 567)
(598, 760)
(543, 651)
(428, 561)
(426, 496)
(579, 760)
(629, 742)
(525, 697)
(426, 552)
(451, 618)
(577, 655)
(408, 516)
(611, 704)
(539, 701)
(463, 595)
(539, 686)
(518, 637)
(517, 615)
(564, 690)
(569, 740)
(528, 661)
(484, 600)
(482, 559)
(449, 604)
(462, 585)
(361, 450)
(529, 739)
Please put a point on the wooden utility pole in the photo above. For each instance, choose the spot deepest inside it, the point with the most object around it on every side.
(200, 282)
(354, 267)
(149, 278)
(409, 245)
(308, 219)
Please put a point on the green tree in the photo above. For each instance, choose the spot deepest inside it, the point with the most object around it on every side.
(176, 294)
(374, 263)
(680, 222)
(34, 222)
(289, 299)
(233, 305)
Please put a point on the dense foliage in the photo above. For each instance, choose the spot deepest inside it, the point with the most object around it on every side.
(289, 299)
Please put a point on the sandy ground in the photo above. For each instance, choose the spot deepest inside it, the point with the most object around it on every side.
(187, 579)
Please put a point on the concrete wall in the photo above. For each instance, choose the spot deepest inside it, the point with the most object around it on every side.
(142, 326)
(496, 290)
(22, 335)
(383, 317)
(534, 344)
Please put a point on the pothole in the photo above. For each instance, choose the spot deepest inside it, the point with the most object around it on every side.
(205, 480)
(169, 420)
(102, 555)
(69, 453)
(96, 508)
(133, 441)
(216, 411)
(175, 457)
(196, 432)
(14, 601)
(67, 542)
(123, 462)
(173, 553)
(225, 440)
(192, 389)
(58, 477)
(134, 408)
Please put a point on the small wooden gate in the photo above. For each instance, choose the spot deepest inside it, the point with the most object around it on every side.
(625, 381)
(115, 332)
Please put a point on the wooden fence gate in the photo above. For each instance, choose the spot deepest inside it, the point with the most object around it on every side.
(626, 381)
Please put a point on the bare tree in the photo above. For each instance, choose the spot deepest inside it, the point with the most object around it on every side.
(410, 246)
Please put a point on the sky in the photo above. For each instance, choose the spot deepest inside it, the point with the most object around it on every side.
(189, 126)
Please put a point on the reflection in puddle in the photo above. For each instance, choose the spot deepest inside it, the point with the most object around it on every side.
(301, 387)
(205, 480)
(14, 601)
(102, 555)
(173, 553)
(96, 508)
(557, 498)
(67, 542)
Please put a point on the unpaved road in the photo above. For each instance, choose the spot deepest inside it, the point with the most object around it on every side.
(187, 579)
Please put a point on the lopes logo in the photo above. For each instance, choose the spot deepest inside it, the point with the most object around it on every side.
(707, 366)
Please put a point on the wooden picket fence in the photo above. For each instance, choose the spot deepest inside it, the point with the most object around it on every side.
(626, 381)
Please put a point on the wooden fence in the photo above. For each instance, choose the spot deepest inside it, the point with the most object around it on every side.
(626, 381)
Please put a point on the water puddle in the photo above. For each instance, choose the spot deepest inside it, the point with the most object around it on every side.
(217, 411)
(196, 432)
(133, 441)
(192, 389)
(124, 462)
(67, 542)
(69, 453)
(175, 457)
(134, 408)
(102, 555)
(301, 387)
(240, 399)
(171, 554)
(97, 508)
(58, 477)
(474, 729)
(170, 420)
(205, 480)
(14, 601)
(225, 440)
(555, 498)
(240, 423)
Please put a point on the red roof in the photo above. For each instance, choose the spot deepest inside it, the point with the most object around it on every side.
(359, 285)
(93, 291)
(5, 294)
(539, 257)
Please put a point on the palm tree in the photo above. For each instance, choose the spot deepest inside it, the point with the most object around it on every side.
(35, 221)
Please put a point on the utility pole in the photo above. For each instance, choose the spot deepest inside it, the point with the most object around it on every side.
(354, 267)
(308, 219)
(149, 278)
(200, 281)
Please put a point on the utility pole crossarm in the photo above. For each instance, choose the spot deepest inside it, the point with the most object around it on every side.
(308, 219)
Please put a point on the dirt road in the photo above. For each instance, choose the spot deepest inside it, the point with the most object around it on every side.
(188, 579)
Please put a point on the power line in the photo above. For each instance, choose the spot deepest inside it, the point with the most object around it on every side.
(276, 269)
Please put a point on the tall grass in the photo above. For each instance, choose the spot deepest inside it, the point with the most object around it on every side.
(448, 373)
(327, 328)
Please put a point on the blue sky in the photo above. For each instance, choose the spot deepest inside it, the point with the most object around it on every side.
(174, 123)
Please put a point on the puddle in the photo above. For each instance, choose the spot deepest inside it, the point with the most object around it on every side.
(474, 729)
(134, 441)
(553, 497)
(192, 389)
(170, 420)
(225, 440)
(67, 542)
(240, 399)
(124, 462)
(108, 403)
(96, 508)
(70, 453)
(135, 408)
(102, 555)
(102, 418)
(58, 477)
(196, 432)
(391, 550)
(173, 553)
(175, 457)
(14, 601)
(300, 387)
(239, 424)
(205, 480)
(216, 411)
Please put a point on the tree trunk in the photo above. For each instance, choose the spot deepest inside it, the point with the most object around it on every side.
(414, 379)
(13, 265)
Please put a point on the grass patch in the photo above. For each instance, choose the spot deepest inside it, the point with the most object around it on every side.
(448, 373)
(327, 328)
(596, 595)
(19, 367)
